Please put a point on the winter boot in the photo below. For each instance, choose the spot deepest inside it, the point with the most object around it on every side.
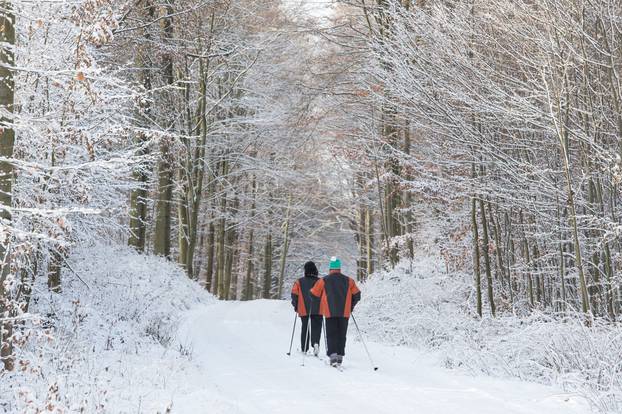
(339, 359)
(316, 349)
(334, 360)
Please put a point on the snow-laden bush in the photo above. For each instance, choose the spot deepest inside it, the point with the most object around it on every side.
(105, 340)
(430, 309)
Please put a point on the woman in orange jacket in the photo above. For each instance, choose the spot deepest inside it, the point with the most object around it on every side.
(306, 308)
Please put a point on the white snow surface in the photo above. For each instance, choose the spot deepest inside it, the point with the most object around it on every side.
(105, 344)
(142, 338)
(420, 304)
(239, 349)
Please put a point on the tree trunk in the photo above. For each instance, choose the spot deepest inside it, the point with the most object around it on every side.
(183, 220)
(7, 141)
(231, 251)
(54, 272)
(138, 196)
(370, 241)
(209, 266)
(285, 249)
(247, 292)
(138, 212)
(361, 268)
(585, 302)
(192, 178)
(562, 275)
(267, 265)
(494, 223)
(407, 196)
(485, 248)
(476, 258)
(383, 220)
(162, 242)
(220, 251)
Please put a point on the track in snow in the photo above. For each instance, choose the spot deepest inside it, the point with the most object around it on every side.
(240, 349)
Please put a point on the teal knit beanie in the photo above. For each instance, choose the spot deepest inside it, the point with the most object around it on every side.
(335, 263)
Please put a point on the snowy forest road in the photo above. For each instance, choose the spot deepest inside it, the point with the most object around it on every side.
(240, 349)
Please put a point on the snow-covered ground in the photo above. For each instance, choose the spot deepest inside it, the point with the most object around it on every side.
(422, 305)
(106, 343)
(240, 350)
(131, 334)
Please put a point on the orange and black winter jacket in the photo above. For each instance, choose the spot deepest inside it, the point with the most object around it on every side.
(338, 295)
(302, 289)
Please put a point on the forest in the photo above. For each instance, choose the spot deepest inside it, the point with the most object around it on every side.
(233, 140)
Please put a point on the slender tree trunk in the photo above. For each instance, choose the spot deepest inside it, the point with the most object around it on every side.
(231, 251)
(526, 254)
(220, 250)
(162, 241)
(183, 219)
(491, 298)
(476, 258)
(198, 172)
(209, 265)
(138, 196)
(285, 249)
(370, 241)
(7, 141)
(609, 274)
(54, 271)
(407, 196)
(235, 293)
(162, 237)
(138, 212)
(361, 239)
(192, 170)
(562, 274)
(511, 263)
(247, 293)
(185, 182)
(585, 302)
(383, 214)
(494, 223)
(562, 134)
(540, 299)
(267, 263)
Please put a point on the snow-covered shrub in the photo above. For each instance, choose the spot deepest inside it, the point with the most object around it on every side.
(105, 340)
(430, 309)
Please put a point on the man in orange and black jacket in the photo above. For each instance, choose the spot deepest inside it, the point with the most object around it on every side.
(338, 295)
(306, 307)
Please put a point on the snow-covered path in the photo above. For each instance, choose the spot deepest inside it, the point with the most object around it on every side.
(240, 349)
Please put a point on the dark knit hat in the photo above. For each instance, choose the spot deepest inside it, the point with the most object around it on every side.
(310, 269)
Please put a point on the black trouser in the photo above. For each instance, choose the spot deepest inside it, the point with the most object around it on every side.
(336, 329)
(316, 331)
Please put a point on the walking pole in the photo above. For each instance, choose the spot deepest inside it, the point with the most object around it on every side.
(307, 339)
(325, 335)
(293, 330)
(361, 336)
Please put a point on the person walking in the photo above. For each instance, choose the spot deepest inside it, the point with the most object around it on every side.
(337, 295)
(307, 308)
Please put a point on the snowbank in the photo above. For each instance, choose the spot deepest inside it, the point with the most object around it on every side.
(429, 309)
(106, 343)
